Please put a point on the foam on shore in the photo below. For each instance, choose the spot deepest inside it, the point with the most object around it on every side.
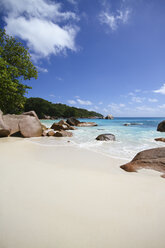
(67, 197)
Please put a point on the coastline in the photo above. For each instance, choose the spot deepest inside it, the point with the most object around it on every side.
(129, 139)
(68, 197)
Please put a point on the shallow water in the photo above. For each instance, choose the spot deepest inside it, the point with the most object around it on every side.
(129, 139)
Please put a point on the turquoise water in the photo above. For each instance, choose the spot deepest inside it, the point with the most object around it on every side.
(129, 139)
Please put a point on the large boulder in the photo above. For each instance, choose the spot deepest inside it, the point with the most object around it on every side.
(12, 121)
(161, 126)
(160, 139)
(106, 137)
(58, 127)
(109, 117)
(62, 125)
(62, 122)
(147, 159)
(69, 127)
(29, 126)
(63, 134)
(72, 121)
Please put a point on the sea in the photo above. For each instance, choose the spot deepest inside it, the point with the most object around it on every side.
(129, 139)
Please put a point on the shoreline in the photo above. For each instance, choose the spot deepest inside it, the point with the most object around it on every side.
(129, 139)
(67, 197)
(70, 143)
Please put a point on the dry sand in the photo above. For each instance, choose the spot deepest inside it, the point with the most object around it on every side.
(65, 197)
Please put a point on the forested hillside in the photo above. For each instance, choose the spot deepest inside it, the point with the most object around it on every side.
(56, 110)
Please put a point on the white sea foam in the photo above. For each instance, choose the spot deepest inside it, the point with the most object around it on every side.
(129, 139)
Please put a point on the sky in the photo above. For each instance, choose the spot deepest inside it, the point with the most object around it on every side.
(102, 55)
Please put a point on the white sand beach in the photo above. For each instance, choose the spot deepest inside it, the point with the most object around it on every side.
(67, 197)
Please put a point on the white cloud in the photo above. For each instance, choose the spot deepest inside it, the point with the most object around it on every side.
(153, 100)
(41, 24)
(71, 101)
(72, 1)
(116, 108)
(105, 110)
(161, 90)
(52, 95)
(100, 103)
(138, 99)
(162, 106)
(114, 20)
(145, 109)
(82, 102)
(137, 90)
(41, 69)
(131, 94)
(59, 78)
(122, 105)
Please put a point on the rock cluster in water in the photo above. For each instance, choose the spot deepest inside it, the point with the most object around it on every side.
(74, 122)
(28, 125)
(61, 128)
(109, 117)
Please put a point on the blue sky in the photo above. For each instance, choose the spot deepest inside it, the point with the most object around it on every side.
(103, 55)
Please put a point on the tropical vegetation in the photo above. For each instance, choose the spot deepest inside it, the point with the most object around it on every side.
(45, 108)
(15, 67)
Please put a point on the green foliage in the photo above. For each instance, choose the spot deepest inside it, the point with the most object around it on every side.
(15, 66)
(56, 110)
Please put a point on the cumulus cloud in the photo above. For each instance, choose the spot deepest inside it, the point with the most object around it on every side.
(153, 100)
(79, 101)
(161, 90)
(113, 20)
(42, 24)
(82, 102)
(72, 102)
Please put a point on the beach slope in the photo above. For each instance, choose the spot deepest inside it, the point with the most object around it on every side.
(66, 197)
